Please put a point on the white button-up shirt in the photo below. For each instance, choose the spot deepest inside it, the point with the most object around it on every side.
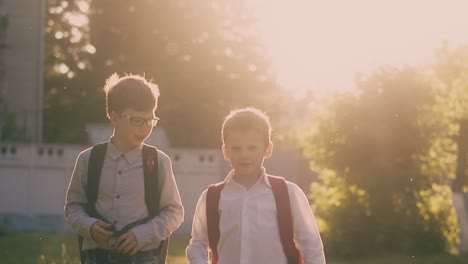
(249, 231)
(121, 197)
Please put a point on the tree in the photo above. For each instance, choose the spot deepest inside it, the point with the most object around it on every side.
(447, 158)
(373, 186)
(203, 54)
(67, 59)
(449, 84)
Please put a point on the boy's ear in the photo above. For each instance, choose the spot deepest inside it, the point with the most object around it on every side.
(225, 153)
(268, 150)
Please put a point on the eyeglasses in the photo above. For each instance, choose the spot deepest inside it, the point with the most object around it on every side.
(139, 121)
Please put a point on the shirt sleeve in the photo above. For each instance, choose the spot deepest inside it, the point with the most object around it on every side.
(75, 199)
(306, 233)
(171, 214)
(197, 250)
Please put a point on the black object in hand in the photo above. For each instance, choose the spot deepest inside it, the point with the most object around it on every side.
(111, 228)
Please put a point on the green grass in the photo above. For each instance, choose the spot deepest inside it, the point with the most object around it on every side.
(37, 248)
(401, 259)
(62, 249)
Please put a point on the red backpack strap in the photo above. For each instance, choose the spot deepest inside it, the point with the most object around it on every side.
(212, 218)
(285, 223)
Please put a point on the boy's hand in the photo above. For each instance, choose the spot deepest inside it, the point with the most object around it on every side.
(128, 243)
(99, 232)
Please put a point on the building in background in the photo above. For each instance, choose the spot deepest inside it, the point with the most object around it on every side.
(21, 68)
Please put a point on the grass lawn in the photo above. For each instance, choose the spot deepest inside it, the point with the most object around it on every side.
(62, 249)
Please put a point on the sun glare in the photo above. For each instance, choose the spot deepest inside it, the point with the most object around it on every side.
(320, 45)
(76, 19)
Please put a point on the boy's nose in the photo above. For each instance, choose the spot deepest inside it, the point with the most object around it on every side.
(244, 153)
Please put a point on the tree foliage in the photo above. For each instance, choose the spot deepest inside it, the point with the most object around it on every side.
(449, 82)
(203, 54)
(374, 193)
(67, 60)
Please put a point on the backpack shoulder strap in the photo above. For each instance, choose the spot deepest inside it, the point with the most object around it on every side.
(153, 193)
(96, 160)
(285, 223)
(213, 195)
(150, 171)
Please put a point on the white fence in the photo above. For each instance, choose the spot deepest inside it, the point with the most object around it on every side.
(34, 179)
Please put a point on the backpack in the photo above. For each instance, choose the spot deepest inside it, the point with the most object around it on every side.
(152, 194)
(283, 208)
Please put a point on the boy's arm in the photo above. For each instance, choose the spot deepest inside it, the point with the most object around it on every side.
(171, 213)
(197, 250)
(75, 199)
(306, 233)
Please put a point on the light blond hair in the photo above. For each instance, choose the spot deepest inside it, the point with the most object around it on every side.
(245, 119)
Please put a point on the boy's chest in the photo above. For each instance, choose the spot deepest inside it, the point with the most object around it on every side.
(121, 181)
(249, 210)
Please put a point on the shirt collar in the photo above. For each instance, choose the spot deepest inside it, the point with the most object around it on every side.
(263, 178)
(131, 156)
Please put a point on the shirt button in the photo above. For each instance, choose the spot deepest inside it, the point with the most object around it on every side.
(119, 172)
(117, 196)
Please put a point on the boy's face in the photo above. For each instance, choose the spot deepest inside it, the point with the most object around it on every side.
(131, 128)
(246, 151)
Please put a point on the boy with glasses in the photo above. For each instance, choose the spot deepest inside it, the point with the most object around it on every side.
(121, 195)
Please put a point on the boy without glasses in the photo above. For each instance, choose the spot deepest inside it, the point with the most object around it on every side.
(251, 216)
(117, 225)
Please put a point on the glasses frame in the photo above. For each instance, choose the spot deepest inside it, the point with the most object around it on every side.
(137, 121)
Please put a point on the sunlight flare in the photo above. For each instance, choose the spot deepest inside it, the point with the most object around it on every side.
(321, 45)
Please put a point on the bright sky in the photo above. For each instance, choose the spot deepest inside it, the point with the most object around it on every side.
(320, 45)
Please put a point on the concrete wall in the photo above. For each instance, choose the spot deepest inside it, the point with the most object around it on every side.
(34, 179)
(194, 171)
(33, 182)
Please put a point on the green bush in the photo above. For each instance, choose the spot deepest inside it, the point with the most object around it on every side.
(350, 227)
